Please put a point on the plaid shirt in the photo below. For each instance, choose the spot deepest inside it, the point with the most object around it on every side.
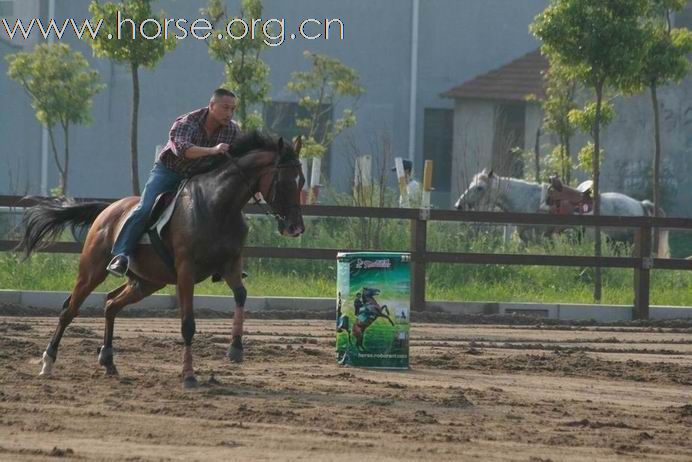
(187, 131)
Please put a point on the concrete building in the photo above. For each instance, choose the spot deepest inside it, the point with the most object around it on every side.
(499, 110)
(456, 40)
(409, 54)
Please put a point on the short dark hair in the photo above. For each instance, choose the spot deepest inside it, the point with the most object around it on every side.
(220, 92)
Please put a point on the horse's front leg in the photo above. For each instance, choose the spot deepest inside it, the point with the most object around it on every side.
(235, 282)
(186, 291)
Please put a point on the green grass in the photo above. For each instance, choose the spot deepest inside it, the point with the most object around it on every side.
(57, 272)
(312, 278)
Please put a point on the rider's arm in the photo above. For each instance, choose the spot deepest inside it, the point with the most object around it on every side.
(195, 152)
(181, 137)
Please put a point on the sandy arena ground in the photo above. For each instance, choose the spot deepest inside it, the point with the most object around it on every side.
(474, 393)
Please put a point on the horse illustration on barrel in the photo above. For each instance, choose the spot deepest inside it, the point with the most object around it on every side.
(488, 190)
(205, 237)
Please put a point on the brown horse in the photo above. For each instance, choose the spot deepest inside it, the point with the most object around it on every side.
(205, 236)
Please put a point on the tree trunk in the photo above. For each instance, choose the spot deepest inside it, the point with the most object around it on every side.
(54, 150)
(657, 162)
(597, 290)
(66, 132)
(133, 129)
(537, 152)
(568, 153)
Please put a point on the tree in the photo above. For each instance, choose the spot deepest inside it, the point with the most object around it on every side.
(559, 102)
(319, 91)
(598, 43)
(244, 71)
(141, 43)
(665, 61)
(61, 86)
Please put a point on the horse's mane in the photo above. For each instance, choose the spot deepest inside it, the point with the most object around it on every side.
(253, 140)
(256, 140)
(486, 177)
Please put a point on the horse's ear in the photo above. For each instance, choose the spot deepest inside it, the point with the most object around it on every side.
(490, 173)
(298, 145)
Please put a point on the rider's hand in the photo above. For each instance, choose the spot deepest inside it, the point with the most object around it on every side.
(221, 148)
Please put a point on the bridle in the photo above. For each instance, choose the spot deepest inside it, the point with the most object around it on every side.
(266, 207)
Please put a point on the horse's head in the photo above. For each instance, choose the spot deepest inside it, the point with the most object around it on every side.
(280, 186)
(370, 293)
(477, 192)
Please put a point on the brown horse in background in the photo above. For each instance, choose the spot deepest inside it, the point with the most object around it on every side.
(205, 236)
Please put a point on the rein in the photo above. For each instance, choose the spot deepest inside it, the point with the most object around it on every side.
(266, 206)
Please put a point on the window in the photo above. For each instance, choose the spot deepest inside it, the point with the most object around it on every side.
(6, 8)
(509, 134)
(280, 118)
(438, 129)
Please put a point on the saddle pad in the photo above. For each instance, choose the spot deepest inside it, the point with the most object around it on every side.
(163, 219)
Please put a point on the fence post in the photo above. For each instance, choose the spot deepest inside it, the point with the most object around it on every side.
(419, 232)
(642, 250)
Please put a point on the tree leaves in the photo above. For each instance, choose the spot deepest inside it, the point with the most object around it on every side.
(319, 90)
(59, 81)
(139, 51)
(245, 72)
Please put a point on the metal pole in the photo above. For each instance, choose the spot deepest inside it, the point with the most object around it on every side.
(415, 15)
(44, 130)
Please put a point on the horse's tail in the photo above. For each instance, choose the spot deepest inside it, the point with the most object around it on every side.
(663, 250)
(44, 222)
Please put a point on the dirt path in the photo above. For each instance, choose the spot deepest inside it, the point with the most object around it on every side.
(473, 393)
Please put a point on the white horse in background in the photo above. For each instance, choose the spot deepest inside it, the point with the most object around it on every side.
(488, 190)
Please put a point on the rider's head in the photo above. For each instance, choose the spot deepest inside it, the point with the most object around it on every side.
(222, 106)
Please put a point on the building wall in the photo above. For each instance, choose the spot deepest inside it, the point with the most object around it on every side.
(458, 40)
(474, 133)
(627, 142)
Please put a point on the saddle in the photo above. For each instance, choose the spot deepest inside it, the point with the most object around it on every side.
(159, 217)
(566, 200)
(163, 201)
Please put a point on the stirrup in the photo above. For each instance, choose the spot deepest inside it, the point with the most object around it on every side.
(110, 268)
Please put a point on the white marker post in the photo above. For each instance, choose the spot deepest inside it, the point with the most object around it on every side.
(427, 184)
(399, 164)
(315, 179)
(305, 192)
(362, 180)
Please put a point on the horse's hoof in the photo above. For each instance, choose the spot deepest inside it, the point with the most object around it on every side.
(47, 367)
(235, 355)
(190, 383)
(111, 371)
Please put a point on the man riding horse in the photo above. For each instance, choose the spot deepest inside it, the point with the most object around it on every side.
(367, 310)
(195, 143)
(205, 234)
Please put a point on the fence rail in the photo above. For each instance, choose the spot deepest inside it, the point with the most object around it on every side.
(642, 262)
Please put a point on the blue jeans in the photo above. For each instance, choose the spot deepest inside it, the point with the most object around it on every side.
(161, 179)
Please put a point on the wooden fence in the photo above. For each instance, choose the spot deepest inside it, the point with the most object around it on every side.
(642, 262)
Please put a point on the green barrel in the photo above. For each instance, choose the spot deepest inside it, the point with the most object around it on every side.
(373, 309)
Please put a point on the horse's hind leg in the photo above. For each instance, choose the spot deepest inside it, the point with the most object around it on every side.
(131, 292)
(234, 280)
(89, 278)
